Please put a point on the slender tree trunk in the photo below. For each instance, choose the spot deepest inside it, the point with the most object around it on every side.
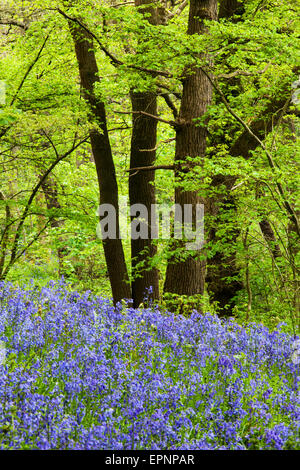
(187, 276)
(4, 234)
(49, 188)
(223, 275)
(141, 184)
(105, 167)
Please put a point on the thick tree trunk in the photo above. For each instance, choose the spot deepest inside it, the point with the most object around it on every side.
(88, 71)
(142, 191)
(141, 184)
(187, 276)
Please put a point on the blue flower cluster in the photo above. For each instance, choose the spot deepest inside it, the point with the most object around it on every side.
(81, 374)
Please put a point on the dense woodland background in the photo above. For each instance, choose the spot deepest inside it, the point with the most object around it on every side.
(205, 95)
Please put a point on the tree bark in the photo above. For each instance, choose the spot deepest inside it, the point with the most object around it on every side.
(102, 153)
(141, 184)
(49, 187)
(228, 8)
(4, 233)
(142, 191)
(187, 276)
(223, 280)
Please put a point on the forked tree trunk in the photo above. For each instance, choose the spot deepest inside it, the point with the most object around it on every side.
(187, 276)
(105, 167)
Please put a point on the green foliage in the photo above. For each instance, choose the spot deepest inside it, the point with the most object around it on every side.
(254, 61)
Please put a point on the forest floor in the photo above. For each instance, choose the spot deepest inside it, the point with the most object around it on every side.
(78, 373)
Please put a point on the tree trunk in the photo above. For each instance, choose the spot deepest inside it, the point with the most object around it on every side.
(142, 191)
(4, 234)
(105, 167)
(223, 280)
(141, 183)
(223, 283)
(228, 8)
(187, 276)
(49, 188)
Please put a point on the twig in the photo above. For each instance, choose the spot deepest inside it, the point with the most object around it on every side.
(151, 168)
(119, 129)
(244, 72)
(29, 70)
(33, 240)
(237, 185)
(174, 124)
(156, 147)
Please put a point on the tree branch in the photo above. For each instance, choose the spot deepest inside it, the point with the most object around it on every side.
(29, 70)
(156, 147)
(170, 104)
(177, 12)
(12, 22)
(165, 87)
(287, 205)
(151, 168)
(174, 124)
(13, 256)
(244, 73)
(114, 60)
